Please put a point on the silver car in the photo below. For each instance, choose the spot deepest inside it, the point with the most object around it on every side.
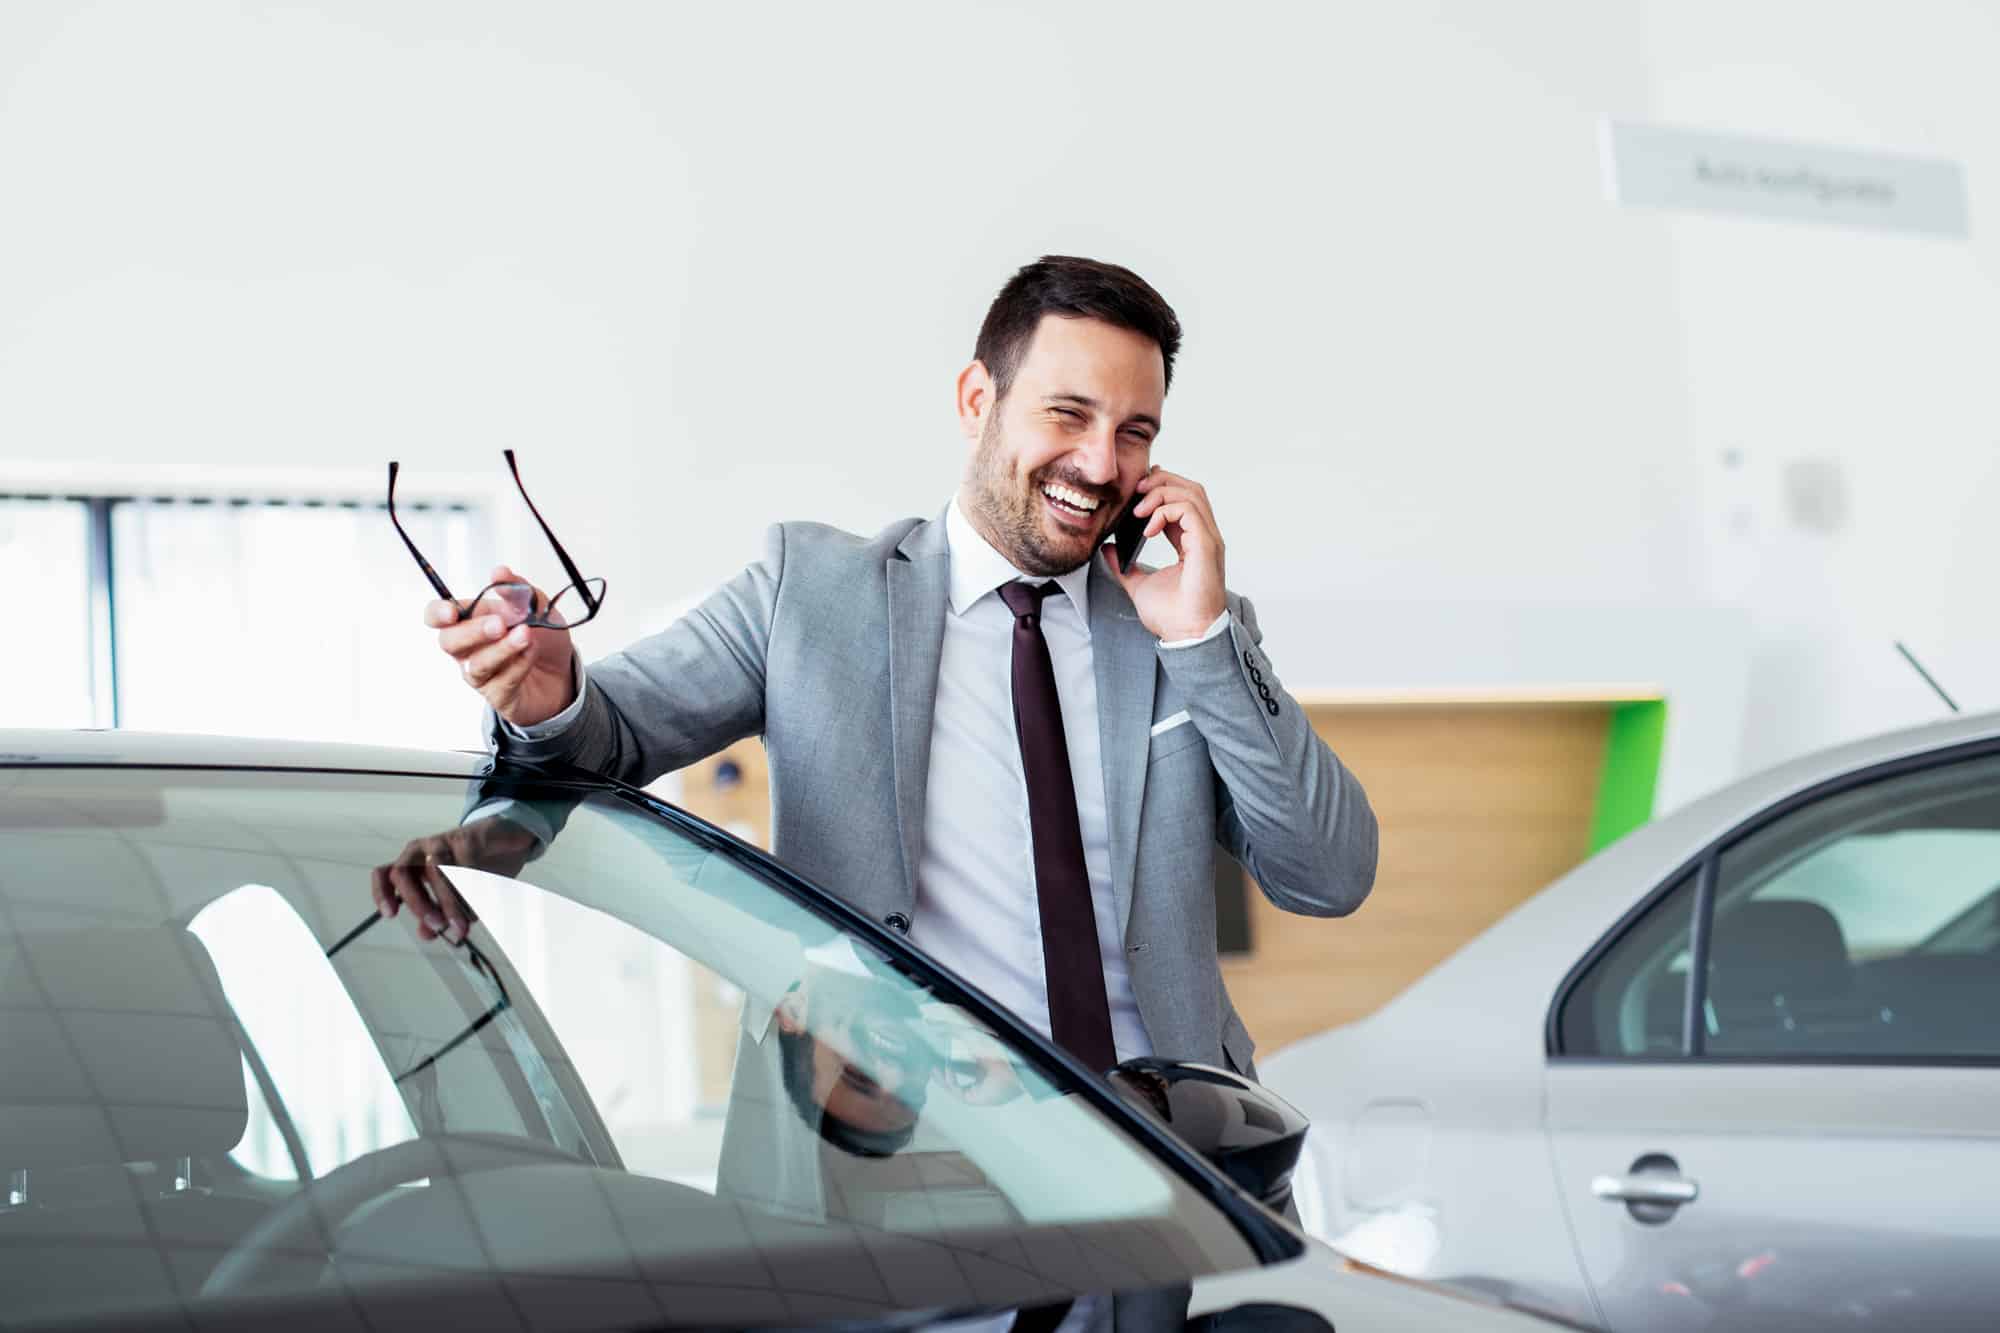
(1741, 1070)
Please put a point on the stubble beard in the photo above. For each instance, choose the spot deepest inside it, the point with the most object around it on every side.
(1011, 518)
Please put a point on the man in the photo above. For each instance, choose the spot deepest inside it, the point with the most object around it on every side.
(979, 730)
(878, 672)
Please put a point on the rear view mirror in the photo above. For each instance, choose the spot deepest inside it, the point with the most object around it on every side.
(1253, 1135)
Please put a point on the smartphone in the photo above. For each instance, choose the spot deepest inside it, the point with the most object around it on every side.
(1128, 534)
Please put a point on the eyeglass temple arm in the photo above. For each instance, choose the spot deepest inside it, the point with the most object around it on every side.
(353, 935)
(485, 969)
(569, 566)
(422, 563)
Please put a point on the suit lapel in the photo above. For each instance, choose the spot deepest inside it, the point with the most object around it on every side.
(919, 577)
(1123, 660)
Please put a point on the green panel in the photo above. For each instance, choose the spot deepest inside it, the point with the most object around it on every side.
(1632, 747)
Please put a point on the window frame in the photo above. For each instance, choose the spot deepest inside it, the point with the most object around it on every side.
(1702, 868)
(486, 492)
(101, 582)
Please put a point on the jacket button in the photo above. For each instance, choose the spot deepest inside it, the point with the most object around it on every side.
(1257, 676)
(1249, 658)
(897, 922)
(1271, 706)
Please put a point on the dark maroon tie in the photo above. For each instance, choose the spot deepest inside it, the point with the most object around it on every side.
(1079, 1012)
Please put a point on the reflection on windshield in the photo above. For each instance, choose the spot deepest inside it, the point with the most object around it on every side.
(558, 1120)
(636, 1063)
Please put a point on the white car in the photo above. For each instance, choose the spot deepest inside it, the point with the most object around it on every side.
(1740, 1070)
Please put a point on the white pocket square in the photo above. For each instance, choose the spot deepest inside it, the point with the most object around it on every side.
(1169, 723)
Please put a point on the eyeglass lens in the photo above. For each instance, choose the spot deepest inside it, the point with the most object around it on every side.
(514, 603)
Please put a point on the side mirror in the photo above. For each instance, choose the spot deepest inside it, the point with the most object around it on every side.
(1252, 1134)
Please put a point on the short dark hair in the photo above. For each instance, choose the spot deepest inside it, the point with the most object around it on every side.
(1076, 289)
(795, 1062)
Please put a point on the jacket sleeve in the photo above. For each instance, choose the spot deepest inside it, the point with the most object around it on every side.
(1286, 807)
(675, 697)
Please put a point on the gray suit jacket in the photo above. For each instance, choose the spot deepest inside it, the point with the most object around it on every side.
(828, 648)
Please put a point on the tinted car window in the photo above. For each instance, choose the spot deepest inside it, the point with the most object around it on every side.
(649, 1087)
(1859, 925)
(1632, 1002)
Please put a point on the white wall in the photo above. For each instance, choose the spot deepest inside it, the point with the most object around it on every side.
(707, 266)
(1865, 357)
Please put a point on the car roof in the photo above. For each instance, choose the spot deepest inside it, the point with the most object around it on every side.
(1708, 817)
(143, 749)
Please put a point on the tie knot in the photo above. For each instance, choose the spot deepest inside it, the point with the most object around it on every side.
(1025, 599)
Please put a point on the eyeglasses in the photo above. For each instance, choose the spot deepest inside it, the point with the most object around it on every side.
(475, 963)
(517, 600)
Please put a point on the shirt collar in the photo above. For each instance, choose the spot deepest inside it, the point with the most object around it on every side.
(978, 569)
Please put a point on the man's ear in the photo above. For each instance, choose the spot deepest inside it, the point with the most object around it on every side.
(975, 400)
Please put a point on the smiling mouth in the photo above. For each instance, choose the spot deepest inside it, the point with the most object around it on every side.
(1069, 504)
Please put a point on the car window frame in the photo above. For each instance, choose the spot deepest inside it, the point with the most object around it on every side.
(1704, 866)
(1269, 1238)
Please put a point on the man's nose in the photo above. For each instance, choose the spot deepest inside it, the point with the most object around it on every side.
(1097, 459)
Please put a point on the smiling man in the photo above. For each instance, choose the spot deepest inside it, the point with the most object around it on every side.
(981, 731)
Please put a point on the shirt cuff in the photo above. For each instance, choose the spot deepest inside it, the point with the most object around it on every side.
(514, 812)
(1221, 624)
(541, 731)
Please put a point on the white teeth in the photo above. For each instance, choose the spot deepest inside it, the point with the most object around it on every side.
(1074, 499)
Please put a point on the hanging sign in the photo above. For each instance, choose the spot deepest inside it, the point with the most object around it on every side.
(1660, 167)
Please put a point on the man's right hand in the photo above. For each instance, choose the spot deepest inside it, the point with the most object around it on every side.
(525, 674)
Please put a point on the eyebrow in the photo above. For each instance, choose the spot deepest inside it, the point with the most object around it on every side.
(1084, 400)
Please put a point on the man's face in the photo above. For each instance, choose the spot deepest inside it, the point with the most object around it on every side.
(873, 1094)
(1057, 458)
(866, 1069)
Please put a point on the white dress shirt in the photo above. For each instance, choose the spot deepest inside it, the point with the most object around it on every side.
(977, 908)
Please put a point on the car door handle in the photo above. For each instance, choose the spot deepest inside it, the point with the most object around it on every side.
(1645, 1189)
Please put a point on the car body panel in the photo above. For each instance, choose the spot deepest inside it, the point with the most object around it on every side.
(1829, 1195)
(1431, 1152)
(143, 749)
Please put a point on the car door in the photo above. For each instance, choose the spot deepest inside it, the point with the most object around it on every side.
(1774, 1093)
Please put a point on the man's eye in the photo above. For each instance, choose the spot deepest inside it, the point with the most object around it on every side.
(1068, 413)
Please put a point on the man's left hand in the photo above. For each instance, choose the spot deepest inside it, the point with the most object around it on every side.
(414, 880)
(1182, 600)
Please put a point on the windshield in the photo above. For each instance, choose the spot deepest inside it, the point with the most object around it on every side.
(647, 1088)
